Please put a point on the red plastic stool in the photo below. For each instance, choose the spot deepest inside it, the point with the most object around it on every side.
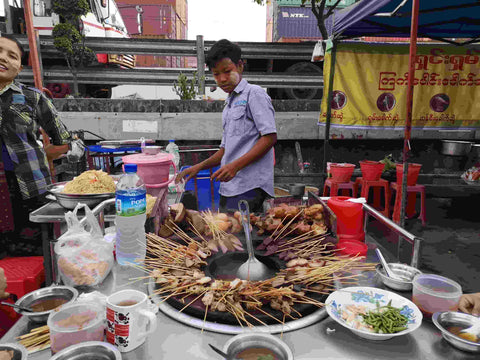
(24, 274)
(335, 187)
(411, 194)
(376, 185)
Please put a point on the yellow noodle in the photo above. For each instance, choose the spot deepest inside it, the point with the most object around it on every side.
(90, 182)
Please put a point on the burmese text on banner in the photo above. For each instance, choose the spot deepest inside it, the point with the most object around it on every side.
(370, 87)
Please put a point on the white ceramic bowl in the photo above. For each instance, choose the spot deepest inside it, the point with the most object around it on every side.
(369, 296)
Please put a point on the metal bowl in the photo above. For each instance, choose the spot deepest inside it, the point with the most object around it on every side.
(257, 340)
(69, 201)
(296, 189)
(19, 351)
(89, 350)
(456, 148)
(444, 320)
(53, 292)
(400, 269)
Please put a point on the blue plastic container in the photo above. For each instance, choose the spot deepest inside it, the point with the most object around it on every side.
(204, 196)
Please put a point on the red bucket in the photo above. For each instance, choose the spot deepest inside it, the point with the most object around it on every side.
(412, 175)
(352, 248)
(349, 218)
(371, 170)
(341, 172)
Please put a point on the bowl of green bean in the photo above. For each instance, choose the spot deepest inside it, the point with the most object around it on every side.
(372, 313)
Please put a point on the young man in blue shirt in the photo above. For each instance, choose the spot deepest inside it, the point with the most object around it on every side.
(249, 134)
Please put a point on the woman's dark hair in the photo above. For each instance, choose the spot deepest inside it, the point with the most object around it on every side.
(24, 55)
(223, 49)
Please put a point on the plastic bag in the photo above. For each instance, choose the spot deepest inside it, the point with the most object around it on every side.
(83, 256)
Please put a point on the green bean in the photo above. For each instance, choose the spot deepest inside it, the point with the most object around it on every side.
(386, 319)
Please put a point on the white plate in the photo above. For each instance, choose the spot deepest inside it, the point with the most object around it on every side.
(368, 297)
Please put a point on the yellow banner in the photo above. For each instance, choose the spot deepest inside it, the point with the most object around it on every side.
(370, 87)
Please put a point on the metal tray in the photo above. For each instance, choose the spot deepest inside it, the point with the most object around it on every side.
(69, 201)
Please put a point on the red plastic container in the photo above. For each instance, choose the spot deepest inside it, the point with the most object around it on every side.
(341, 172)
(24, 274)
(352, 248)
(371, 170)
(412, 176)
(349, 218)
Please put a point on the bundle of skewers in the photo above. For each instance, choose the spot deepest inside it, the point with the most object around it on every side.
(177, 265)
(37, 339)
(292, 231)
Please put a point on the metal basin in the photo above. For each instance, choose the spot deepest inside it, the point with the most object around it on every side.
(53, 292)
(89, 350)
(456, 148)
(19, 351)
(69, 201)
(444, 320)
(250, 340)
(400, 269)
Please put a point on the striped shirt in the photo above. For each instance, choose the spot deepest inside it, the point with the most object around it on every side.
(24, 111)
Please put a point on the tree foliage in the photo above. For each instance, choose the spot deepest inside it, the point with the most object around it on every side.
(186, 88)
(67, 36)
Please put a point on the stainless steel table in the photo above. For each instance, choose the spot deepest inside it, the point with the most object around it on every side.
(175, 340)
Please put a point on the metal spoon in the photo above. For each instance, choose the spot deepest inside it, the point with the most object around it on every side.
(17, 307)
(473, 330)
(218, 351)
(389, 271)
(252, 269)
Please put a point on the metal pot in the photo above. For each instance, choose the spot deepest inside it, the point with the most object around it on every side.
(476, 150)
(296, 189)
(456, 148)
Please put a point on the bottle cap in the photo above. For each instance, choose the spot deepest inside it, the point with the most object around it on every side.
(171, 140)
(129, 168)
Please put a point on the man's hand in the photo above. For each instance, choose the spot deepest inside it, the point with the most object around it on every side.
(3, 285)
(77, 149)
(188, 173)
(225, 173)
(470, 304)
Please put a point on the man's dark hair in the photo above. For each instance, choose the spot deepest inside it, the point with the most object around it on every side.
(223, 49)
(24, 55)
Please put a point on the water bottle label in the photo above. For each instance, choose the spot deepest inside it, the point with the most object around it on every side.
(131, 205)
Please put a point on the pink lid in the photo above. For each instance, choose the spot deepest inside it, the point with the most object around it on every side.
(147, 159)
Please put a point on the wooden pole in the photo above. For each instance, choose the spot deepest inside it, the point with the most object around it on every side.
(32, 42)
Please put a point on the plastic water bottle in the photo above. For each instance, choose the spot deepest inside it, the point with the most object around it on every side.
(173, 149)
(130, 206)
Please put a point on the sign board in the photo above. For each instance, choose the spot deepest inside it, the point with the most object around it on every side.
(370, 87)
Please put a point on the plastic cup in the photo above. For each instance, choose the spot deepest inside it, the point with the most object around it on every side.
(435, 293)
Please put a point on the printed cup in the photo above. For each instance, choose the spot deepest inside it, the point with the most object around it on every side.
(129, 319)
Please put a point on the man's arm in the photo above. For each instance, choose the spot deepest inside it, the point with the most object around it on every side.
(212, 161)
(49, 119)
(261, 147)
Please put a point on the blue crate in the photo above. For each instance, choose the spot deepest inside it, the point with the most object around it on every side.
(204, 196)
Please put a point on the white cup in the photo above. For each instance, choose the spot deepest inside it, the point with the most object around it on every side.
(128, 325)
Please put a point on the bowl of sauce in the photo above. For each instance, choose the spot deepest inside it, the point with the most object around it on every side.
(45, 300)
(451, 324)
(255, 345)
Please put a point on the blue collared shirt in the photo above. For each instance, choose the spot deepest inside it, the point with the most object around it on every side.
(248, 115)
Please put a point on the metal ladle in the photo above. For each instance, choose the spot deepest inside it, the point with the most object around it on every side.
(17, 306)
(389, 271)
(252, 269)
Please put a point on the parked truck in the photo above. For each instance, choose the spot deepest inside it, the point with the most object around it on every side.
(103, 20)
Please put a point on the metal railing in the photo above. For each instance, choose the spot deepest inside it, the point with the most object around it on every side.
(167, 76)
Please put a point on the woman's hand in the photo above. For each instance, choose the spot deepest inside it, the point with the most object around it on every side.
(3, 285)
(470, 304)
